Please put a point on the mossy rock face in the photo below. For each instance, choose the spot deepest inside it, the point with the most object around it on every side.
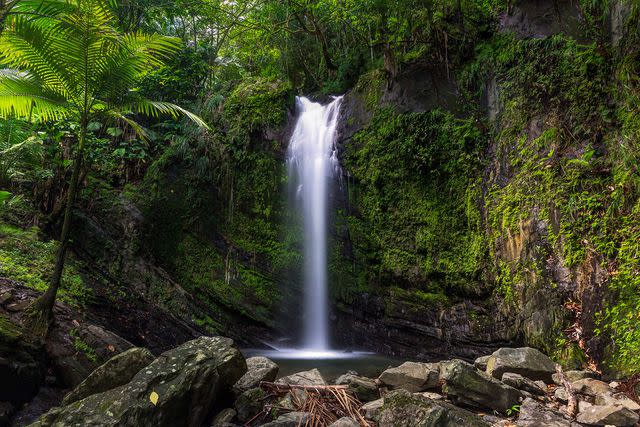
(179, 388)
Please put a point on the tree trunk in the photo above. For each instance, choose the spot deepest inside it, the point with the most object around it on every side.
(42, 308)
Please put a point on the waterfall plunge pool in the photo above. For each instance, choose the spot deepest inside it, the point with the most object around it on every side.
(330, 363)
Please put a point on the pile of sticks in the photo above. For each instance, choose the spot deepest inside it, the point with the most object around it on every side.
(324, 404)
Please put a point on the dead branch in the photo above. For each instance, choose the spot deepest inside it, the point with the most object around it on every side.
(572, 399)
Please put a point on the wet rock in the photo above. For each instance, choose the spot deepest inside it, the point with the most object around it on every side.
(615, 415)
(526, 361)
(249, 404)
(466, 385)
(591, 387)
(372, 410)
(365, 389)
(180, 387)
(534, 414)
(22, 364)
(224, 417)
(411, 376)
(522, 383)
(115, 372)
(572, 376)
(403, 409)
(481, 362)
(292, 419)
(258, 369)
(345, 422)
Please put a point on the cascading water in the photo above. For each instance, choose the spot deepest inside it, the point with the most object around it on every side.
(313, 167)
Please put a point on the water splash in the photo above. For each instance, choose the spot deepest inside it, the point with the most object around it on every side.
(313, 166)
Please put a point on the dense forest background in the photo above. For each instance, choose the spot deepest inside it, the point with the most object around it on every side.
(489, 148)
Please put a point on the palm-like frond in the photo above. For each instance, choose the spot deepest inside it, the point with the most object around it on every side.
(67, 59)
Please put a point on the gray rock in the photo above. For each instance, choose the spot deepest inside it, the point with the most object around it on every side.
(345, 422)
(534, 414)
(466, 385)
(224, 417)
(561, 395)
(113, 373)
(526, 361)
(249, 404)
(430, 395)
(312, 377)
(573, 376)
(403, 409)
(617, 399)
(365, 389)
(372, 410)
(522, 383)
(411, 376)
(258, 369)
(292, 419)
(306, 378)
(481, 362)
(615, 415)
(591, 387)
(179, 388)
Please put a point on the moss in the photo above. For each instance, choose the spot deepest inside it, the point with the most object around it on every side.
(83, 347)
(10, 333)
(26, 259)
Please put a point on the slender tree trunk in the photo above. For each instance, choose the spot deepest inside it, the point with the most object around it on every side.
(42, 310)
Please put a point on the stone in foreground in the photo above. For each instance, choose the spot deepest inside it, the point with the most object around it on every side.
(372, 410)
(365, 389)
(179, 388)
(117, 371)
(292, 419)
(411, 376)
(534, 414)
(468, 386)
(526, 361)
(258, 369)
(615, 415)
(312, 377)
(402, 409)
(345, 422)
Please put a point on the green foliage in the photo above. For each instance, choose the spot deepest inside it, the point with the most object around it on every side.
(414, 173)
(29, 261)
(83, 347)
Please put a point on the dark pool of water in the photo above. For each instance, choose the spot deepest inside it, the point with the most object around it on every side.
(331, 364)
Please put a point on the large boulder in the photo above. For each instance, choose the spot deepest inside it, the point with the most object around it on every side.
(403, 409)
(466, 385)
(615, 415)
(179, 388)
(526, 361)
(411, 376)
(591, 387)
(117, 371)
(258, 369)
(365, 389)
(22, 364)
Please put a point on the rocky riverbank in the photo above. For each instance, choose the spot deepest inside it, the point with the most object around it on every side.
(208, 382)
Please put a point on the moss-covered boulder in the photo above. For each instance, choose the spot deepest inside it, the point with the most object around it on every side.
(526, 361)
(466, 385)
(179, 388)
(403, 409)
(117, 371)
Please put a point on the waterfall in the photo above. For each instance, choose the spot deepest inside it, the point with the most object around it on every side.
(313, 167)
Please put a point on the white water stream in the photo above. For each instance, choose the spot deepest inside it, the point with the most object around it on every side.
(313, 168)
